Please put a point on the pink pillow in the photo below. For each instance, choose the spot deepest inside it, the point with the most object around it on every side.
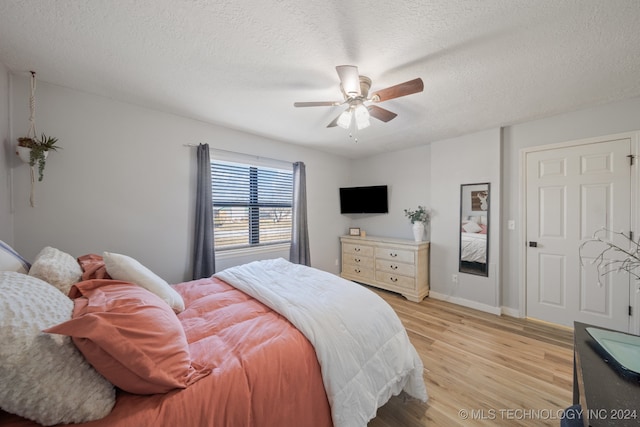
(483, 229)
(131, 336)
(93, 267)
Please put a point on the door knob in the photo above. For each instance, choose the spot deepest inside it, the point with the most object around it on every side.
(533, 244)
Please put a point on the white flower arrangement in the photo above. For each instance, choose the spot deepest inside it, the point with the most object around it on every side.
(421, 214)
(629, 261)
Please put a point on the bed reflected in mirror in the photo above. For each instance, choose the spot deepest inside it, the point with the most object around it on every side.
(474, 228)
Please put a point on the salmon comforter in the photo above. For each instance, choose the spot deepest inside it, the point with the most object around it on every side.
(265, 372)
(363, 348)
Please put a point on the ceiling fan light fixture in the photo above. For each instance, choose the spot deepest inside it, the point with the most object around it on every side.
(344, 121)
(362, 116)
(355, 91)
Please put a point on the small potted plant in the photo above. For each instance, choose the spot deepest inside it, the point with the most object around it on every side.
(419, 218)
(36, 150)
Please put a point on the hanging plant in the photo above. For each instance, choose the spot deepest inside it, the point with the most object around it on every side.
(38, 150)
(31, 149)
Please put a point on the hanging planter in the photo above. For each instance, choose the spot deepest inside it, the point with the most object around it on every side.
(24, 153)
(34, 150)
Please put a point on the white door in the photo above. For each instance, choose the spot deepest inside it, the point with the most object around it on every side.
(571, 193)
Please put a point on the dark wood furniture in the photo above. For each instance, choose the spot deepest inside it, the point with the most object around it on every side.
(609, 396)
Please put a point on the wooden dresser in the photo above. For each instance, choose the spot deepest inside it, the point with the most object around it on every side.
(396, 265)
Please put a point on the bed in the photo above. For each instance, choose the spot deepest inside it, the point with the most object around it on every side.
(473, 247)
(269, 343)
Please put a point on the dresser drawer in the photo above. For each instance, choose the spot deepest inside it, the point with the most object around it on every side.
(353, 259)
(357, 272)
(396, 267)
(394, 254)
(395, 280)
(362, 250)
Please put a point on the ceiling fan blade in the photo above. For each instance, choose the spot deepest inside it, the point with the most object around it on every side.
(349, 79)
(381, 113)
(334, 122)
(316, 104)
(402, 89)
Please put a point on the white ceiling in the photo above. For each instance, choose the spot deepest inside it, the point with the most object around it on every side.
(243, 63)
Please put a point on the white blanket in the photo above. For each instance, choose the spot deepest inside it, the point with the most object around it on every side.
(474, 247)
(363, 348)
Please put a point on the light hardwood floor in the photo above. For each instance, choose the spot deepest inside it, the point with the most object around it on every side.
(493, 370)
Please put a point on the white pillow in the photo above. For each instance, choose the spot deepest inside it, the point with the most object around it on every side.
(56, 268)
(471, 227)
(483, 220)
(10, 260)
(122, 267)
(44, 377)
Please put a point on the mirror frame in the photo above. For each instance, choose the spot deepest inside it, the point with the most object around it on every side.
(474, 268)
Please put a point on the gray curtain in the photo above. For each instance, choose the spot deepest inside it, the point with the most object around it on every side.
(203, 251)
(299, 252)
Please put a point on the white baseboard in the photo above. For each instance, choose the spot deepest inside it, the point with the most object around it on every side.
(513, 312)
(466, 303)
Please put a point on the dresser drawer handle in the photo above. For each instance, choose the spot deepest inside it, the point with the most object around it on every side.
(393, 279)
(393, 267)
(356, 259)
(393, 254)
(356, 249)
(357, 270)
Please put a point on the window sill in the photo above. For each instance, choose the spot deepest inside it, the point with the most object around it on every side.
(234, 253)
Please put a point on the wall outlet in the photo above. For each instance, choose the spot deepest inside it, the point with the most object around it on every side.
(454, 278)
(511, 225)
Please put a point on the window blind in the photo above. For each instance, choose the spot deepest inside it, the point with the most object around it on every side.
(251, 204)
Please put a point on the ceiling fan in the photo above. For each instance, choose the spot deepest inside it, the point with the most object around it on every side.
(355, 89)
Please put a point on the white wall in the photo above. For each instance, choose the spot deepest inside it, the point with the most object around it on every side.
(469, 159)
(431, 175)
(617, 117)
(123, 181)
(407, 175)
(6, 157)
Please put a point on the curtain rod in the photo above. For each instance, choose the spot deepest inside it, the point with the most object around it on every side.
(220, 150)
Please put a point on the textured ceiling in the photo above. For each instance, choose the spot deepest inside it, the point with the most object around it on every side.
(243, 63)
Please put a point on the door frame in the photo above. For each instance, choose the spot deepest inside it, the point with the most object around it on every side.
(634, 296)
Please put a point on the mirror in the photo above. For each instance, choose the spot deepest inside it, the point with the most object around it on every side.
(474, 228)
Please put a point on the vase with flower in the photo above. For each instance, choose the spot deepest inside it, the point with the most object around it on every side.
(419, 219)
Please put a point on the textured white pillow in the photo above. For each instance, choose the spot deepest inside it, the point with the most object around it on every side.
(123, 267)
(469, 227)
(10, 260)
(57, 268)
(44, 377)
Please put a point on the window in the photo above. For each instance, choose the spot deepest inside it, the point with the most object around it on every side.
(251, 205)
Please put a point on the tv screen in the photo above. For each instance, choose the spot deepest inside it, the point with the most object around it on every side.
(357, 200)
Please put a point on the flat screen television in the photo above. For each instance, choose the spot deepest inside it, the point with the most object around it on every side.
(359, 200)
